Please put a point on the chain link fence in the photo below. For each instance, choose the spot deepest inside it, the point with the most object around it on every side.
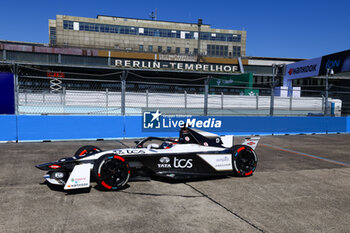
(118, 96)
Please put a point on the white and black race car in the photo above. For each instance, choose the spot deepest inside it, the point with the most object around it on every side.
(194, 154)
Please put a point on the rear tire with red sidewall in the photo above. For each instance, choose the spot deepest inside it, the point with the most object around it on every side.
(111, 172)
(244, 160)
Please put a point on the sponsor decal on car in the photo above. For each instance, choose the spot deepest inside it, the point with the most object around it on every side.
(164, 162)
(129, 151)
(223, 162)
(78, 185)
(223, 159)
(78, 180)
(220, 162)
(182, 163)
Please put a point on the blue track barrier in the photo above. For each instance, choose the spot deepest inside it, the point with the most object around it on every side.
(8, 128)
(39, 128)
(69, 127)
(7, 93)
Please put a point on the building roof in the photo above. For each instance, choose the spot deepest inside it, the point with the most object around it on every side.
(148, 19)
(274, 58)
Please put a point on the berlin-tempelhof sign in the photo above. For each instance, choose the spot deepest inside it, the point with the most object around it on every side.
(176, 66)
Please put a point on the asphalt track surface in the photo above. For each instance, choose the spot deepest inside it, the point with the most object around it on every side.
(302, 184)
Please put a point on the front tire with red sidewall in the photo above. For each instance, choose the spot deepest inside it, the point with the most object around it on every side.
(244, 160)
(111, 172)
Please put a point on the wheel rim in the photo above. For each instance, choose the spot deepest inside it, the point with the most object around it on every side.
(245, 161)
(113, 173)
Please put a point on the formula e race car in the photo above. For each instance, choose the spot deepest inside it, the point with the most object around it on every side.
(194, 154)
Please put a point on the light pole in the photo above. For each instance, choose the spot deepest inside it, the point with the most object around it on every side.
(326, 107)
(200, 22)
(272, 99)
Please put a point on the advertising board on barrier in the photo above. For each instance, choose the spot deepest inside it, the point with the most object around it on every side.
(339, 62)
(245, 79)
(303, 69)
(156, 121)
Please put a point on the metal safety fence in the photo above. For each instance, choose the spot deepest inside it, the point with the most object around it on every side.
(120, 96)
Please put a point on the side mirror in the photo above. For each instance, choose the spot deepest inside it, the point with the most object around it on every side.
(137, 142)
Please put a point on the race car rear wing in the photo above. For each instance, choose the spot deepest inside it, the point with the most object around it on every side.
(190, 135)
(252, 142)
(228, 141)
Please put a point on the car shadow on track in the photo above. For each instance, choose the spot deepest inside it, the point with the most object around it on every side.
(187, 180)
(98, 187)
(172, 181)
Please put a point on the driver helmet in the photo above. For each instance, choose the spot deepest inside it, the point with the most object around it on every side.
(167, 145)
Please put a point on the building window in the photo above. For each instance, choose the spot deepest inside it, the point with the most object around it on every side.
(168, 49)
(157, 33)
(160, 49)
(141, 47)
(177, 50)
(217, 50)
(68, 25)
(150, 48)
(195, 51)
(108, 28)
(189, 35)
(187, 50)
(236, 51)
(52, 35)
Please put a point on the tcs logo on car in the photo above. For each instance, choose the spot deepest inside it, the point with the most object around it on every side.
(182, 163)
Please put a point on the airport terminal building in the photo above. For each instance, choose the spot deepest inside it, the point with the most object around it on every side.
(128, 34)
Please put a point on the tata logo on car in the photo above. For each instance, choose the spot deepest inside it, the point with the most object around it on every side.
(182, 163)
(164, 162)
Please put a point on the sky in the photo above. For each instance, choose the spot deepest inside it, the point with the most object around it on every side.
(287, 29)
